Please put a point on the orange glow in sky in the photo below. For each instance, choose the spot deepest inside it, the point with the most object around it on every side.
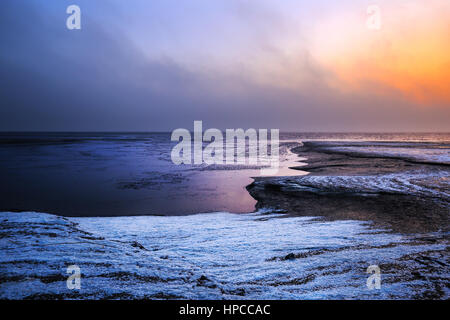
(409, 55)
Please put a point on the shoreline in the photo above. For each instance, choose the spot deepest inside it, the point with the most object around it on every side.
(342, 185)
(312, 236)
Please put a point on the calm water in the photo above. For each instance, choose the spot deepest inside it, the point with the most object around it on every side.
(116, 174)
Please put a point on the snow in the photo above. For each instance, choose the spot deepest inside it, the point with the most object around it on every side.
(205, 256)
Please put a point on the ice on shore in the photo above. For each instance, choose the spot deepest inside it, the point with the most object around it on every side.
(214, 256)
(415, 183)
(438, 153)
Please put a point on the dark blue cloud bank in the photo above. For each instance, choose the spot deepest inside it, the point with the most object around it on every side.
(99, 79)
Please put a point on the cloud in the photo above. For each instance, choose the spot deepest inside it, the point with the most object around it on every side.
(407, 57)
(101, 79)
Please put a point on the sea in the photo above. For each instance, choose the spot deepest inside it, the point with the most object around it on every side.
(140, 227)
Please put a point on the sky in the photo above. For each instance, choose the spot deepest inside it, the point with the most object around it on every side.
(158, 65)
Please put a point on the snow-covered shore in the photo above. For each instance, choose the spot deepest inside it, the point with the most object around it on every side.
(215, 256)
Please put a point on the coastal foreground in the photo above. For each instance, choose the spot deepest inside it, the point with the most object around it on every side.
(312, 237)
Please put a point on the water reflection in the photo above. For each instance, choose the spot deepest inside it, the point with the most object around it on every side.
(117, 174)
